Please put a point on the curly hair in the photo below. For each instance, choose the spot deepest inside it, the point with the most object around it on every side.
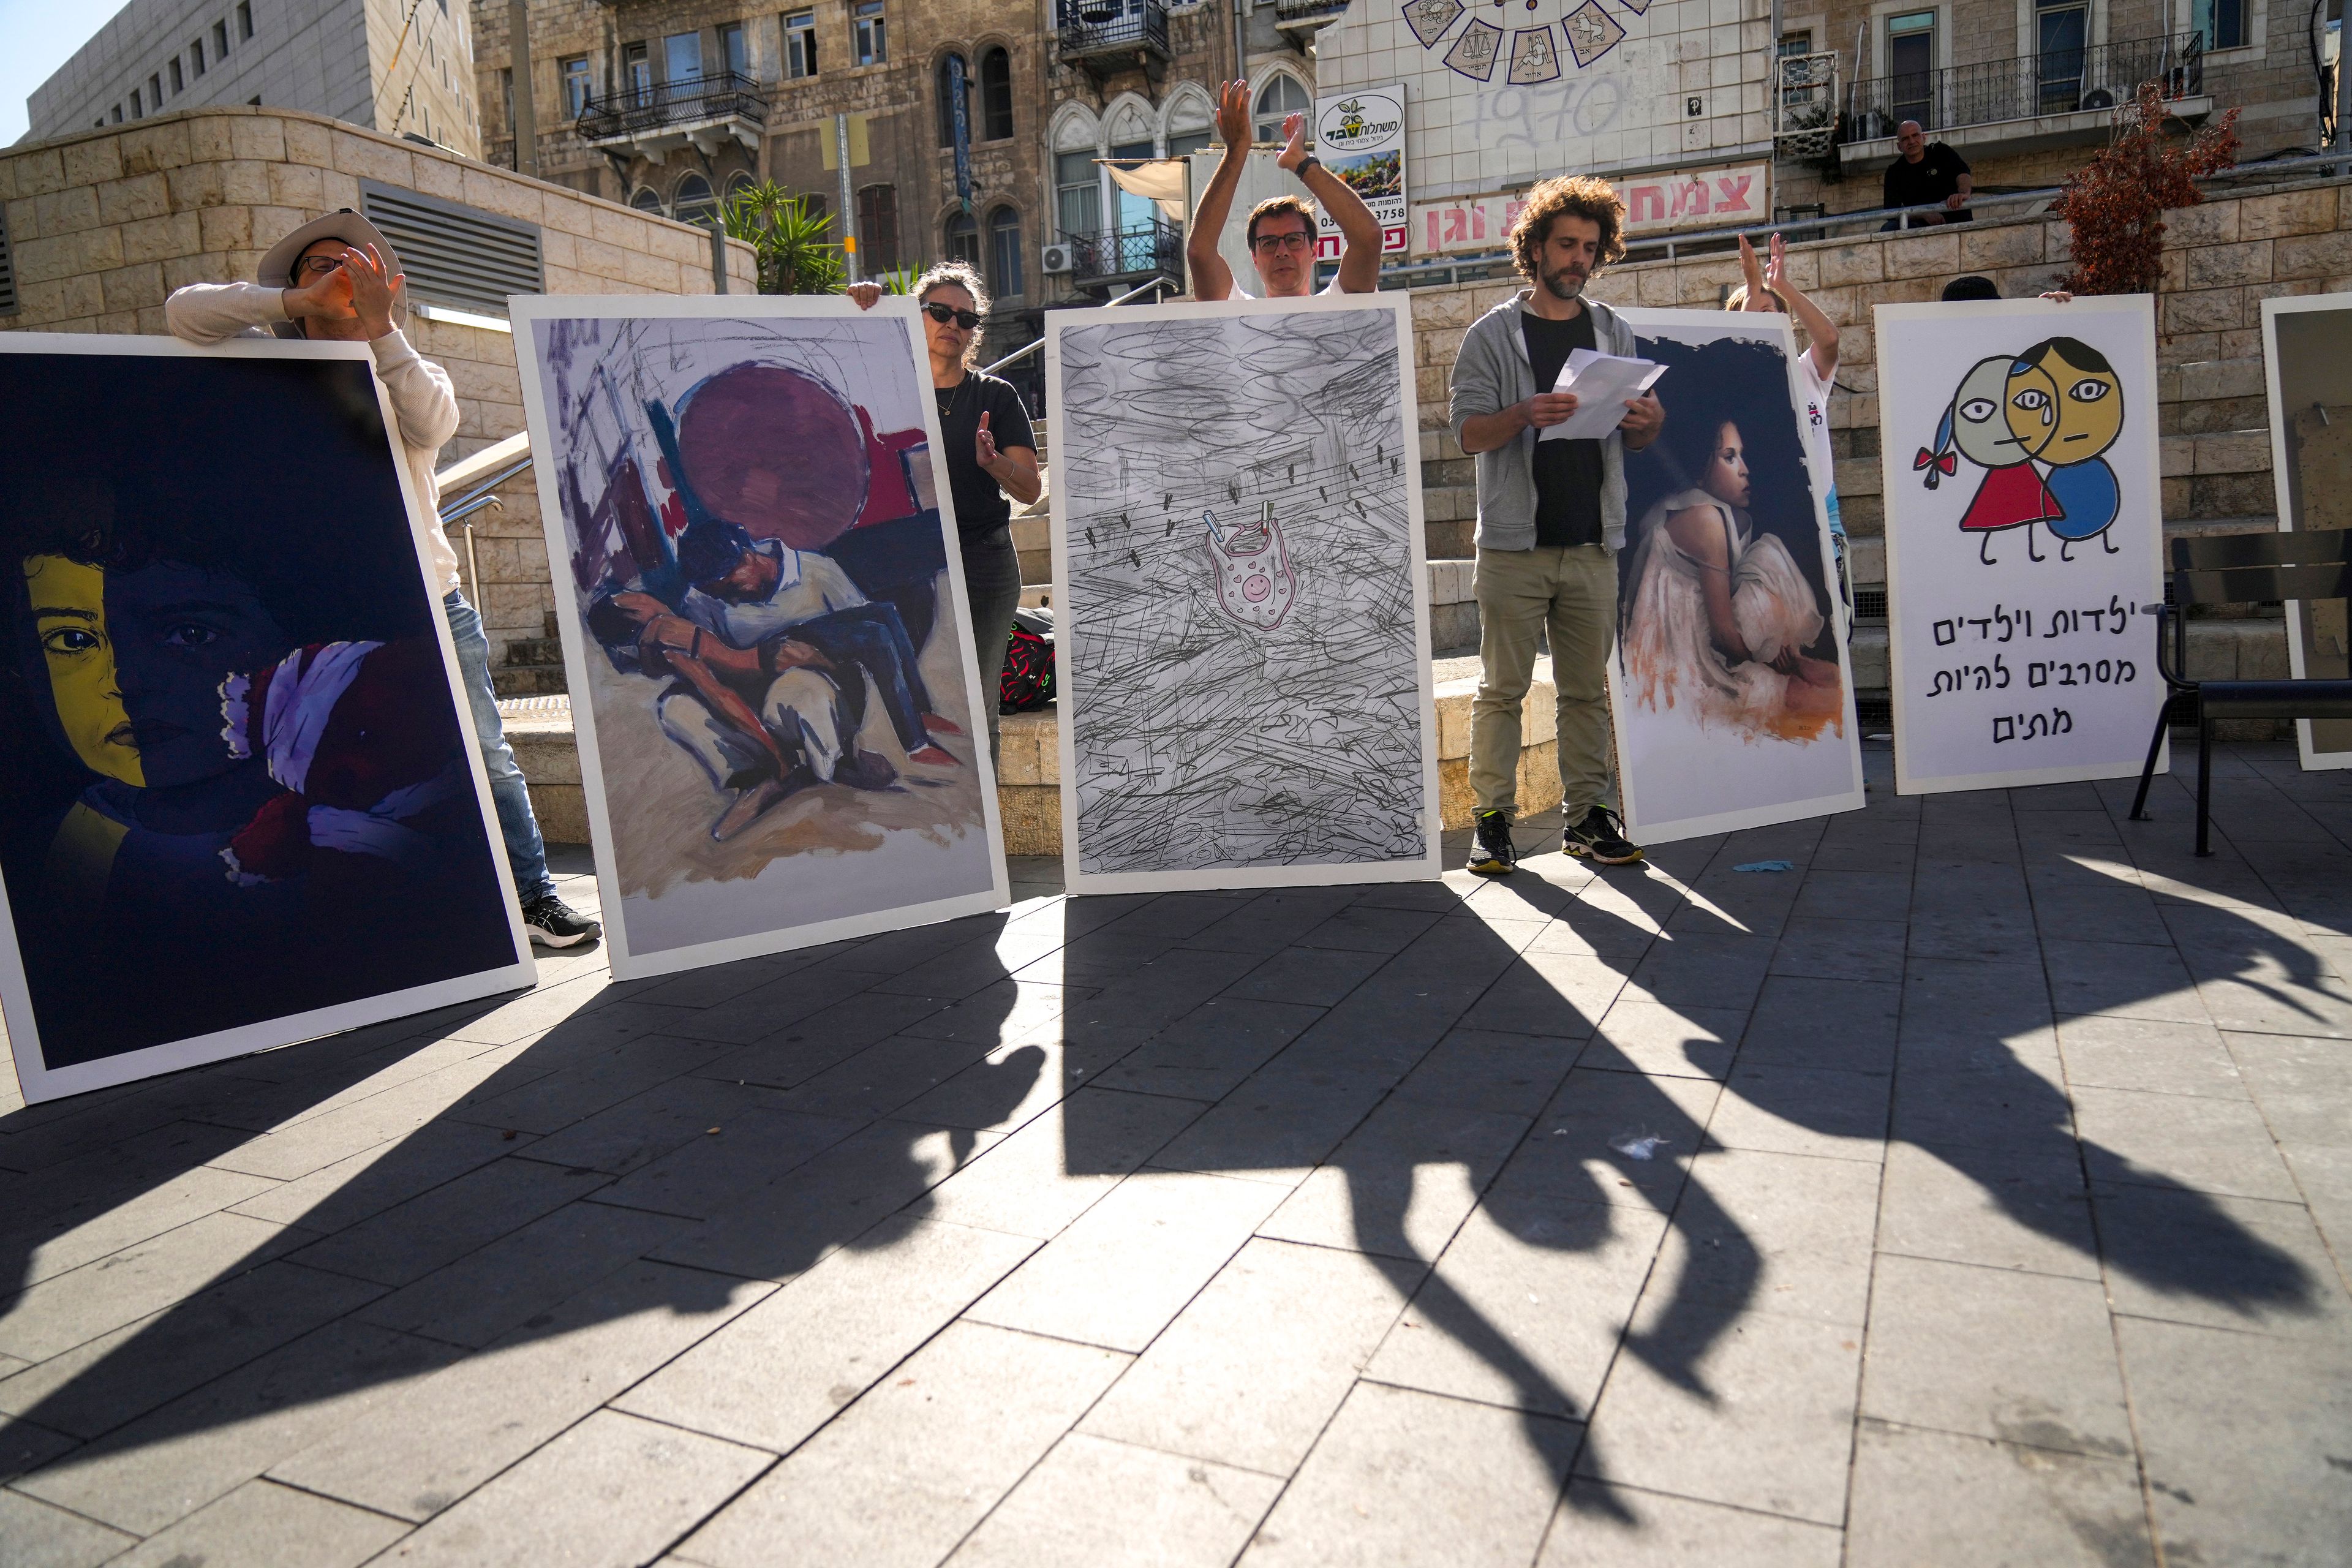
(1586, 196)
(964, 275)
(1274, 207)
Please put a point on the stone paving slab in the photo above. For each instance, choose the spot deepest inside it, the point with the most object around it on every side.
(1979, 1190)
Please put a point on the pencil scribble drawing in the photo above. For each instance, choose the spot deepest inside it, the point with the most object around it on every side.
(1246, 676)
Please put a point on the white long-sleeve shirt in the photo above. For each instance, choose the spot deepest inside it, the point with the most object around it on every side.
(424, 402)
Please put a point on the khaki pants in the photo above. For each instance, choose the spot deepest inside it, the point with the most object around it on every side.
(1570, 594)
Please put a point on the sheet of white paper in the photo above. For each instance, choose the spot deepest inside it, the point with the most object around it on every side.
(1602, 383)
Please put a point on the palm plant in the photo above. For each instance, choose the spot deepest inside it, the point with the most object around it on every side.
(794, 255)
(899, 280)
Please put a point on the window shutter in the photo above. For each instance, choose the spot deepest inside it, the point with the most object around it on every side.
(455, 254)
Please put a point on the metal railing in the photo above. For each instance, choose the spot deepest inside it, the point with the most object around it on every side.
(1107, 26)
(642, 111)
(2056, 81)
(1154, 247)
(1291, 12)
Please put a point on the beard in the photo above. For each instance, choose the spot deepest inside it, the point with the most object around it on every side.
(1564, 284)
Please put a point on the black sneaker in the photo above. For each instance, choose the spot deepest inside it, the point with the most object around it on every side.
(1600, 838)
(1493, 855)
(555, 923)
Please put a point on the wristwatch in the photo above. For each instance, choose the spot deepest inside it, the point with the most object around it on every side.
(1308, 161)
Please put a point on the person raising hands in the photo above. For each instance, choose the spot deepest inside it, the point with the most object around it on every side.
(346, 290)
(1281, 228)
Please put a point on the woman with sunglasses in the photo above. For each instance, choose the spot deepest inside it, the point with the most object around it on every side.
(992, 454)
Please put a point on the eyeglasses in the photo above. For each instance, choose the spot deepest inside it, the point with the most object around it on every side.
(318, 266)
(1267, 244)
(968, 320)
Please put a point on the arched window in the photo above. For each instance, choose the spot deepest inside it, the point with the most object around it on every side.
(1005, 252)
(964, 239)
(996, 95)
(1279, 97)
(694, 203)
(645, 199)
(946, 96)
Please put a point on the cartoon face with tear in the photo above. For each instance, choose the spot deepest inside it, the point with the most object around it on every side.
(2058, 403)
(1251, 567)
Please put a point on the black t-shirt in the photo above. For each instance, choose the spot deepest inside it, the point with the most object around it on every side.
(981, 508)
(1568, 473)
(1936, 176)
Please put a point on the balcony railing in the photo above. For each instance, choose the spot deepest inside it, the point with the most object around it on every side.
(2058, 81)
(1120, 253)
(1289, 14)
(1087, 29)
(650, 110)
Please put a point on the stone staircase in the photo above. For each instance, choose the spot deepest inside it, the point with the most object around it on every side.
(533, 665)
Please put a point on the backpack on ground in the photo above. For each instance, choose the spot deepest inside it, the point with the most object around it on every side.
(1026, 683)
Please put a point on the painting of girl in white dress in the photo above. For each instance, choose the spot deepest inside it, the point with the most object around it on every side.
(1734, 703)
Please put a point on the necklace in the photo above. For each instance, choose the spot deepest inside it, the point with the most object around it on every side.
(948, 396)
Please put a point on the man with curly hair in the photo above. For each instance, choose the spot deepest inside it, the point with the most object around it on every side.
(1551, 517)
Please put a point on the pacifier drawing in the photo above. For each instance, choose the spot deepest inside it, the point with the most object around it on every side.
(1251, 566)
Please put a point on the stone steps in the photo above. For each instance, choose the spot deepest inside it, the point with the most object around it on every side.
(533, 665)
(1029, 774)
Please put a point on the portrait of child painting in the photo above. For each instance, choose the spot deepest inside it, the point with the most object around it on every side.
(239, 805)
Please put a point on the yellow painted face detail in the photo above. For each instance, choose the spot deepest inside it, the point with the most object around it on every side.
(2031, 401)
(2090, 411)
(68, 602)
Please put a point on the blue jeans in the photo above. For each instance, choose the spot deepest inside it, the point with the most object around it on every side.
(526, 855)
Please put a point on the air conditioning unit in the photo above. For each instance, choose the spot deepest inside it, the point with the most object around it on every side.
(1055, 260)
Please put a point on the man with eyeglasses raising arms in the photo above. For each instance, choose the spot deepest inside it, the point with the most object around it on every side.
(1281, 228)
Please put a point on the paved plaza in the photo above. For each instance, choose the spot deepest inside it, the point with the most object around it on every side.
(1976, 1191)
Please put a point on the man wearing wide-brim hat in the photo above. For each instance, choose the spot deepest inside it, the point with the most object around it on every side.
(338, 279)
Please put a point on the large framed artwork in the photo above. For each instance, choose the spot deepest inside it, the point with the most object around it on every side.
(1240, 603)
(763, 618)
(242, 804)
(1731, 689)
(2024, 540)
(2307, 350)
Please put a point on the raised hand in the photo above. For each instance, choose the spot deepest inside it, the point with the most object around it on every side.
(1751, 274)
(328, 298)
(1293, 150)
(1776, 271)
(373, 287)
(1234, 115)
(984, 445)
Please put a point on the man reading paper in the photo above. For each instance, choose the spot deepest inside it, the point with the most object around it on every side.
(1551, 516)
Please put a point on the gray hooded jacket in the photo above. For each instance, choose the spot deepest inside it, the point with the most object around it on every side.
(1491, 372)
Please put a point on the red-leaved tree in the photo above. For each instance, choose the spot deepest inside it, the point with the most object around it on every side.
(2117, 201)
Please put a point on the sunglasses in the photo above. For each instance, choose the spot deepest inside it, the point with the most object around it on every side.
(968, 320)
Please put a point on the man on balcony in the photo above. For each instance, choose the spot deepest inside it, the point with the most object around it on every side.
(1926, 171)
(1281, 228)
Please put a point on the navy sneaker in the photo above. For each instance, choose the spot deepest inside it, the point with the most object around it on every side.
(1600, 837)
(1493, 855)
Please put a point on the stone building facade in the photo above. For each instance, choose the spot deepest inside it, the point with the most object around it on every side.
(1141, 83)
(405, 66)
(669, 105)
(100, 226)
(2023, 90)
